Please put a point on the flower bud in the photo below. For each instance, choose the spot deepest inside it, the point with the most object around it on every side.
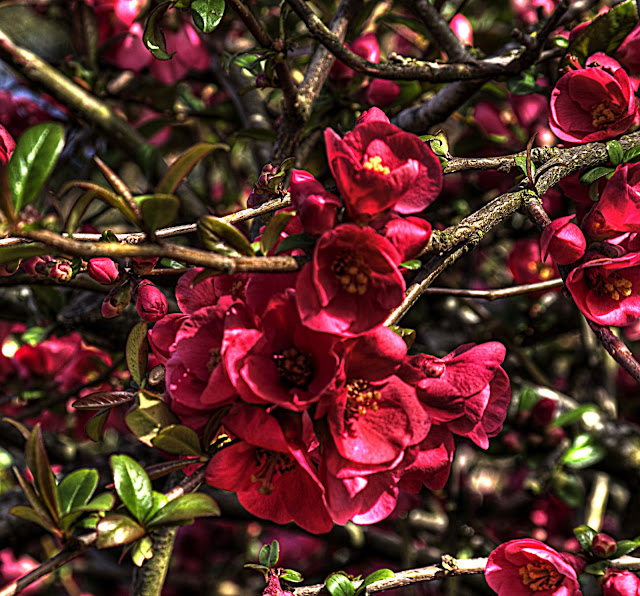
(620, 583)
(151, 303)
(142, 266)
(563, 241)
(461, 26)
(103, 270)
(8, 269)
(381, 92)
(603, 546)
(116, 301)
(315, 206)
(61, 272)
(37, 267)
(542, 412)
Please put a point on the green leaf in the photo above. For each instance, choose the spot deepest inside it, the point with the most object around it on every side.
(77, 488)
(263, 557)
(408, 335)
(221, 237)
(528, 398)
(27, 250)
(34, 500)
(153, 37)
(274, 554)
(69, 519)
(178, 439)
(574, 415)
(584, 452)
(376, 576)
(625, 547)
(568, 488)
(586, 178)
(142, 551)
(94, 191)
(29, 514)
(339, 584)
(523, 84)
(103, 502)
(296, 241)
(606, 32)
(183, 166)
(103, 399)
(631, 155)
(132, 485)
(614, 149)
(38, 463)
(585, 535)
(261, 568)
(598, 568)
(149, 416)
(521, 162)
(439, 143)
(158, 210)
(34, 157)
(291, 575)
(274, 228)
(207, 14)
(159, 501)
(412, 265)
(185, 508)
(95, 424)
(137, 351)
(117, 529)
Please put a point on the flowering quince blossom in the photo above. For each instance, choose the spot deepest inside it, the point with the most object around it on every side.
(563, 241)
(606, 289)
(366, 47)
(618, 209)
(593, 104)
(352, 283)
(316, 207)
(526, 566)
(7, 145)
(620, 583)
(378, 167)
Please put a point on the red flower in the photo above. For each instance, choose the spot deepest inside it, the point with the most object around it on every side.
(618, 209)
(352, 283)
(620, 583)
(563, 241)
(7, 145)
(103, 269)
(606, 289)
(381, 92)
(316, 207)
(526, 265)
(523, 567)
(410, 235)
(378, 167)
(592, 104)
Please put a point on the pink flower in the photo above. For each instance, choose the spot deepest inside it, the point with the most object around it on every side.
(523, 567)
(352, 283)
(381, 92)
(316, 207)
(526, 264)
(620, 583)
(461, 26)
(103, 270)
(606, 289)
(7, 145)
(563, 241)
(366, 47)
(410, 235)
(151, 303)
(592, 104)
(378, 167)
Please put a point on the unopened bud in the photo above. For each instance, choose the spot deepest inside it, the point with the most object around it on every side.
(151, 303)
(37, 267)
(61, 272)
(116, 301)
(142, 266)
(603, 546)
(542, 412)
(103, 270)
(8, 269)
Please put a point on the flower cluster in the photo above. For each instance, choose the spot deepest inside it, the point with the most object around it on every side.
(325, 416)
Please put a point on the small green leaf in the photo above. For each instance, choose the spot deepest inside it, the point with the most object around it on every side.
(586, 178)
(606, 32)
(32, 161)
(614, 150)
(631, 155)
(221, 237)
(339, 584)
(179, 440)
(34, 500)
(153, 37)
(137, 351)
(523, 84)
(103, 399)
(183, 166)
(585, 536)
(302, 240)
(598, 568)
(439, 143)
(117, 529)
(132, 485)
(94, 191)
(159, 501)
(38, 463)
(528, 398)
(263, 557)
(274, 228)
(207, 14)
(291, 575)
(376, 576)
(95, 424)
(574, 415)
(568, 488)
(584, 452)
(184, 508)
(149, 416)
(521, 162)
(261, 568)
(77, 488)
(625, 547)
(274, 554)
(158, 210)
(29, 514)
(103, 502)
(408, 335)
(412, 265)
(142, 551)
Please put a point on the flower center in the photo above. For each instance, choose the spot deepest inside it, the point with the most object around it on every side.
(294, 367)
(374, 164)
(543, 271)
(270, 463)
(612, 285)
(237, 290)
(352, 272)
(361, 397)
(604, 114)
(214, 359)
(540, 576)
